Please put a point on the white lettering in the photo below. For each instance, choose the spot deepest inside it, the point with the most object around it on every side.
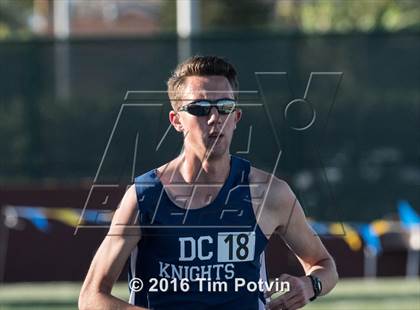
(206, 272)
(239, 282)
(196, 275)
(182, 256)
(229, 269)
(163, 270)
(217, 267)
(200, 247)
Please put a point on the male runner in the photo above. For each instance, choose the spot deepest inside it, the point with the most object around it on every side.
(199, 220)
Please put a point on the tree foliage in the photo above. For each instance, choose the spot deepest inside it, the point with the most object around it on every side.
(307, 16)
(302, 16)
(14, 16)
(321, 16)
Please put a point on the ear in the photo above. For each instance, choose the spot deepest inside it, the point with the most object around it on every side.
(238, 116)
(175, 121)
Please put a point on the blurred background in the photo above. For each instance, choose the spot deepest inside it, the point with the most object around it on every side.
(83, 110)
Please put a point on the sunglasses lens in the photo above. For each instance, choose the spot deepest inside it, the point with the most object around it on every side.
(226, 106)
(203, 107)
(198, 110)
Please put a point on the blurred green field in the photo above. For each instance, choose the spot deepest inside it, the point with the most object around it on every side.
(383, 294)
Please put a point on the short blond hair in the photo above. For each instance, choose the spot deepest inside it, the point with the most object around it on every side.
(199, 66)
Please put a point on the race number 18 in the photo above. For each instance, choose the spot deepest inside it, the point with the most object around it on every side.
(235, 246)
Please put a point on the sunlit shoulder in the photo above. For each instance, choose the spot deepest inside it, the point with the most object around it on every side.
(273, 199)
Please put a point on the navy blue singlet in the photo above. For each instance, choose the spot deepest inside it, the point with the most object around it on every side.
(218, 243)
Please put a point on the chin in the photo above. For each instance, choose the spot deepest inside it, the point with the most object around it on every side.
(217, 152)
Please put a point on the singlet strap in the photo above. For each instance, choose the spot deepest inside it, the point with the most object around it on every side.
(147, 190)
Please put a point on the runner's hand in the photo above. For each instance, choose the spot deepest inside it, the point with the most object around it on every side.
(300, 291)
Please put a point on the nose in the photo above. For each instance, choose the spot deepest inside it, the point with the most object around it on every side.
(214, 116)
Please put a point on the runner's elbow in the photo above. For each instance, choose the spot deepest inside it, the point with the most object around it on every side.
(88, 297)
(83, 302)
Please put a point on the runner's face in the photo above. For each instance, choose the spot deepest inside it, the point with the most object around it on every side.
(211, 133)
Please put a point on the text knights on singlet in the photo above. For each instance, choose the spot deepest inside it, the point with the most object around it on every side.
(194, 273)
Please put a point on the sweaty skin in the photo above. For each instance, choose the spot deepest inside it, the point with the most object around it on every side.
(206, 160)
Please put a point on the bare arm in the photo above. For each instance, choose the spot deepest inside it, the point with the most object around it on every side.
(111, 257)
(306, 245)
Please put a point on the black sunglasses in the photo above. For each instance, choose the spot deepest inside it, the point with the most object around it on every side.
(202, 107)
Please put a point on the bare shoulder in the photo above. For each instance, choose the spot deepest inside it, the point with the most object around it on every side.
(128, 203)
(273, 186)
(273, 197)
(126, 213)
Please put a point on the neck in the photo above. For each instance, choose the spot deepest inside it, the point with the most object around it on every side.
(194, 169)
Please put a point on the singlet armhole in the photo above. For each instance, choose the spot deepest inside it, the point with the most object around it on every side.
(145, 184)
